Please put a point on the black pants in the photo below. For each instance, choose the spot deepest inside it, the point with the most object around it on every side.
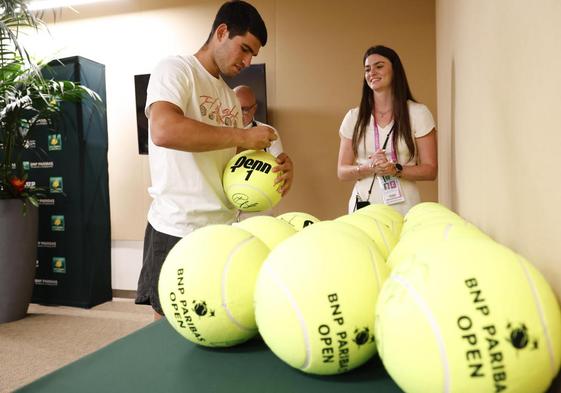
(156, 248)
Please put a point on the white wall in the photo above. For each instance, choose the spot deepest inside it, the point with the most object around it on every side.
(499, 96)
(126, 262)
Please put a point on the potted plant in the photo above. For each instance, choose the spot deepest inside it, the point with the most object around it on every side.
(29, 104)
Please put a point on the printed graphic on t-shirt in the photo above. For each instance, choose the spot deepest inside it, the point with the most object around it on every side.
(213, 109)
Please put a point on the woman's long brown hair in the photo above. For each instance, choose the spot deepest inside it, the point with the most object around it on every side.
(401, 93)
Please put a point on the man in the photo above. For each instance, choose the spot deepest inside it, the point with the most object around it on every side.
(248, 103)
(195, 127)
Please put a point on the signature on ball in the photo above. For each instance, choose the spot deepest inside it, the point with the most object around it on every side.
(242, 201)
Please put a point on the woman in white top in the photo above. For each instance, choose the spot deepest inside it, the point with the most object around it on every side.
(388, 117)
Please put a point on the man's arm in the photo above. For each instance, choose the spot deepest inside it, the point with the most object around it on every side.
(171, 129)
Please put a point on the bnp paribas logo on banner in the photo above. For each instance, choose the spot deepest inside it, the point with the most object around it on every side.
(55, 184)
(59, 264)
(26, 165)
(55, 142)
(57, 223)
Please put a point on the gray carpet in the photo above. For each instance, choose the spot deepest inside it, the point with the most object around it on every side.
(51, 337)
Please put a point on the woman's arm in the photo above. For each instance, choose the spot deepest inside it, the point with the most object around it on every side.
(346, 168)
(427, 166)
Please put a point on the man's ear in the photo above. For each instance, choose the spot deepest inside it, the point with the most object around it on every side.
(222, 32)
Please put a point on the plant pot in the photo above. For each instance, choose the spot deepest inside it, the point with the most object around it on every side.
(18, 255)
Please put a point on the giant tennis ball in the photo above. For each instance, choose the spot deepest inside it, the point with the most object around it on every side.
(382, 235)
(427, 207)
(270, 230)
(315, 298)
(206, 285)
(249, 181)
(468, 316)
(385, 214)
(299, 220)
(429, 236)
(427, 213)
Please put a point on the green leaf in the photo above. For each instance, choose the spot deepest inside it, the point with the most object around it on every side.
(27, 99)
(34, 201)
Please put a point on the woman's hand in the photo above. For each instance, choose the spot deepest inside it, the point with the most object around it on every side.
(380, 164)
(386, 169)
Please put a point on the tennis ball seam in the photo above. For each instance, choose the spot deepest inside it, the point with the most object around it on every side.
(447, 230)
(255, 189)
(297, 311)
(541, 313)
(229, 261)
(420, 302)
(382, 236)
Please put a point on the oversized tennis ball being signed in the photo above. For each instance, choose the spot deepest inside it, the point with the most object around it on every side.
(249, 181)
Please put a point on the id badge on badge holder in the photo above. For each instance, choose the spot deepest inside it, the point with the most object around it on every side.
(391, 190)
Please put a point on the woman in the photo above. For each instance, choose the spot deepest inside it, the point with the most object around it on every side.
(388, 117)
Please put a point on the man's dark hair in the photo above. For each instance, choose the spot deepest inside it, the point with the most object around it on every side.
(240, 17)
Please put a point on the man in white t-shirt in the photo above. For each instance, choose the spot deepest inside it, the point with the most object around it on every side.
(195, 127)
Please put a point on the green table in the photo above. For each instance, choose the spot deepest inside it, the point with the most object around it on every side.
(157, 359)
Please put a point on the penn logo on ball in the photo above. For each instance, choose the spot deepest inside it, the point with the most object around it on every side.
(251, 164)
(249, 181)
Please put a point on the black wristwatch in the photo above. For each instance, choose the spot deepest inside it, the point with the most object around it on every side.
(398, 168)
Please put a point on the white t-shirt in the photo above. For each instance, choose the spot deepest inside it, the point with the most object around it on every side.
(187, 187)
(422, 123)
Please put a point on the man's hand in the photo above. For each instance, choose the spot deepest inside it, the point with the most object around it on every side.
(258, 138)
(286, 173)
